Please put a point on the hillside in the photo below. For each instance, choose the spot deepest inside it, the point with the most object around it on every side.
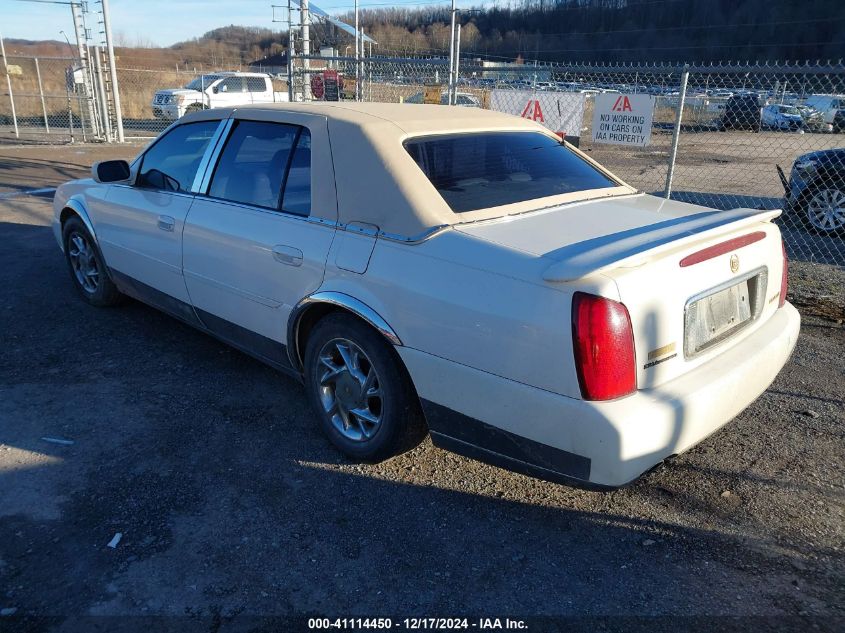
(624, 30)
(565, 30)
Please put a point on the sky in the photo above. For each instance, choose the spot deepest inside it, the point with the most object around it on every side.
(162, 22)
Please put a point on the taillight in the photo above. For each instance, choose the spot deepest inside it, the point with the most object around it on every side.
(603, 341)
(784, 276)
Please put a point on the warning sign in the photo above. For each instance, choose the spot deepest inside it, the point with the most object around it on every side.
(331, 88)
(431, 94)
(620, 119)
(561, 112)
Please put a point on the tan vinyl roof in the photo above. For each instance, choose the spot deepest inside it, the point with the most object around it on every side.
(376, 180)
(411, 118)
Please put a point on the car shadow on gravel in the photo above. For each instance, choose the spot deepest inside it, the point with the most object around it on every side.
(14, 174)
(230, 503)
(244, 527)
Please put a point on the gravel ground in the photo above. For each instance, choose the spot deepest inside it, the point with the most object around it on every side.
(232, 505)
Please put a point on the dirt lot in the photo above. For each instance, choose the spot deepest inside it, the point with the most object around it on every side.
(232, 506)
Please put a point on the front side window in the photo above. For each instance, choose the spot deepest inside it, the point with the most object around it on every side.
(490, 169)
(231, 84)
(172, 162)
(203, 82)
(265, 165)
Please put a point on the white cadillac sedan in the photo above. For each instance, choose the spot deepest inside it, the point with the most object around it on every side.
(445, 269)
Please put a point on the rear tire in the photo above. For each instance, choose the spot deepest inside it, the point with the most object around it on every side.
(86, 265)
(360, 391)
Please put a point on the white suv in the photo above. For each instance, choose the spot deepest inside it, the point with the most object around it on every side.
(215, 91)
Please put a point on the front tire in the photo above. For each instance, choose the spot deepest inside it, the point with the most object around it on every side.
(360, 390)
(824, 210)
(86, 266)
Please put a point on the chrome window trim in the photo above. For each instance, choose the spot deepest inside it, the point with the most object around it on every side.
(180, 194)
(139, 159)
(212, 164)
(212, 154)
(268, 210)
(763, 271)
(414, 239)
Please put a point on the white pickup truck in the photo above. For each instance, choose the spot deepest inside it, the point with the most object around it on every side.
(216, 90)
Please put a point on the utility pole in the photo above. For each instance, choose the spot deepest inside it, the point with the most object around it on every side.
(289, 55)
(84, 62)
(357, 56)
(452, 78)
(291, 96)
(457, 63)
(118, 112)
(306, 49)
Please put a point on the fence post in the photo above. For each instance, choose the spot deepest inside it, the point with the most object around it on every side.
(676, 133)
(9, 85)
(69, 106)
(41, 94)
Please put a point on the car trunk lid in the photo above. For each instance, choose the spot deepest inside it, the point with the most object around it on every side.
(694, 280)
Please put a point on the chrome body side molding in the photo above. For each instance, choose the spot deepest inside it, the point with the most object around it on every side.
(340, 299)
(355, 227)
(76, 205)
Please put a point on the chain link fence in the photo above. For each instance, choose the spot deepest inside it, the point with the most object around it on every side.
(721, 136)
(717, 137)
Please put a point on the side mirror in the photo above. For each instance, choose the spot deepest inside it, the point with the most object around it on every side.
(110, 171)
(215, 90)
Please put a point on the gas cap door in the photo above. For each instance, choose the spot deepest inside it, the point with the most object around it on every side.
(355, 246)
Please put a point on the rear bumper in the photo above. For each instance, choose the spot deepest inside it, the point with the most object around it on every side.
(596, 444)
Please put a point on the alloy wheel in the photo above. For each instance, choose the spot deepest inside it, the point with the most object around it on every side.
(826, 210)
(84, 262)
(349, 390)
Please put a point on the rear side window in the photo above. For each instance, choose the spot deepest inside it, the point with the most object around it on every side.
(297, 195)
(256, 84)
(258, 160)
(172, 162)
(491, 169)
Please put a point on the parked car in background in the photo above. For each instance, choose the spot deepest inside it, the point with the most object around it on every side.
(782, 117)
(838, 125)
(216, 90)
(815, 190)
(828, 105)
(455, 269)
(464, 99)
(813, 119)
(742, 112)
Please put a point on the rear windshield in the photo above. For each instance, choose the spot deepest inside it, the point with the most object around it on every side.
(491, 169)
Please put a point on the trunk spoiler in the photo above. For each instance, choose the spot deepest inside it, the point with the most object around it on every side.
(634, 247)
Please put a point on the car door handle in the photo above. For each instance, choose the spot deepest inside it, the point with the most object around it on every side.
(287, 255)
(166, 223)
